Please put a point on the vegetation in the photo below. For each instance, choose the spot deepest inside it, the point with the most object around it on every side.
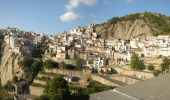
(112, 71)
(150, 67)
(109, 72)
(94, 87)
(136, 63)
(165, 64)
(38, 85)
(5, 96)
(15, 79)
(79, 63)
(31, 67)
(48, 74)
(1, 44)
(52, 54)
(9, 87)
(57, 88)
(156, 72)
(38, 51)
(63, 65)
(49, 64)
(158, 23)
(43, 78)
(43, 97)
(131, 17)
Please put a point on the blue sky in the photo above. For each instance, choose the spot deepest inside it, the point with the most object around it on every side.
(53, 16)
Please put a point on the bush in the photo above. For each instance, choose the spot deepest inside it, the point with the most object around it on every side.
(150, 67)
(165, 64)
(156, 72)
(79, 63)
(136, 63)
(94, 87)
(49, 64)
(53, 54)
(57, 88)
(112, 71)
(71, 67)
(38, 85)
(9, 87)
(15, 79)
(37, 51)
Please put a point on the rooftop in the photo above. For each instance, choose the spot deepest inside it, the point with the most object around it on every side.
(152, 89)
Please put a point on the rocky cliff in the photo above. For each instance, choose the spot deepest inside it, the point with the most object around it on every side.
(139, 24)
(9, 65)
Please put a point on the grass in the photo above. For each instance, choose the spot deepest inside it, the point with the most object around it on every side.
(43, 78)
(37, 85)
(48, 74)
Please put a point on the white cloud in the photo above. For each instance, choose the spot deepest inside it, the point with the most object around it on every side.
(90, 2)
(73, 4)
(69, 16)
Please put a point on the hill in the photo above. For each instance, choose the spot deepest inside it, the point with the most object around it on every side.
(132, 25)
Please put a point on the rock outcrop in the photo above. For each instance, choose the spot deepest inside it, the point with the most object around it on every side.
(9, 65)
(133, 25)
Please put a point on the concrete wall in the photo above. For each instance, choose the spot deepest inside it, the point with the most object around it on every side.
(67, 72)
(103, 81)
(37, 91)
(139, 74)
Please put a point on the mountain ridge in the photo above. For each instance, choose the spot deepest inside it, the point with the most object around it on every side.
(133, 25)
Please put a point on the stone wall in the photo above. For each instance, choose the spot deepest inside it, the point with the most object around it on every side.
(103, 80)
(37, 91)
(67, 72)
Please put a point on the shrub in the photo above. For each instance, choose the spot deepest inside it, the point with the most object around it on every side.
(150, 67)
(156, 72)
(15, 79)
(9, 87)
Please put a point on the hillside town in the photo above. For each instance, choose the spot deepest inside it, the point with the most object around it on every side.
(106, 61)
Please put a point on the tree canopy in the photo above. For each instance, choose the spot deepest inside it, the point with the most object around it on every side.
(136, 63)
(57, 88)
(49, 64)
(79, 63)
(165, 64)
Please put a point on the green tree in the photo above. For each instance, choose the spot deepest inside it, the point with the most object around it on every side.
(165, 64)
(136, 63)
(37, 51)
(57, 88)
(79, 63)
(49, 64)
(31, 67)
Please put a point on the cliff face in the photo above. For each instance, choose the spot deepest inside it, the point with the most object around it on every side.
(140, 24)
(9, 65)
